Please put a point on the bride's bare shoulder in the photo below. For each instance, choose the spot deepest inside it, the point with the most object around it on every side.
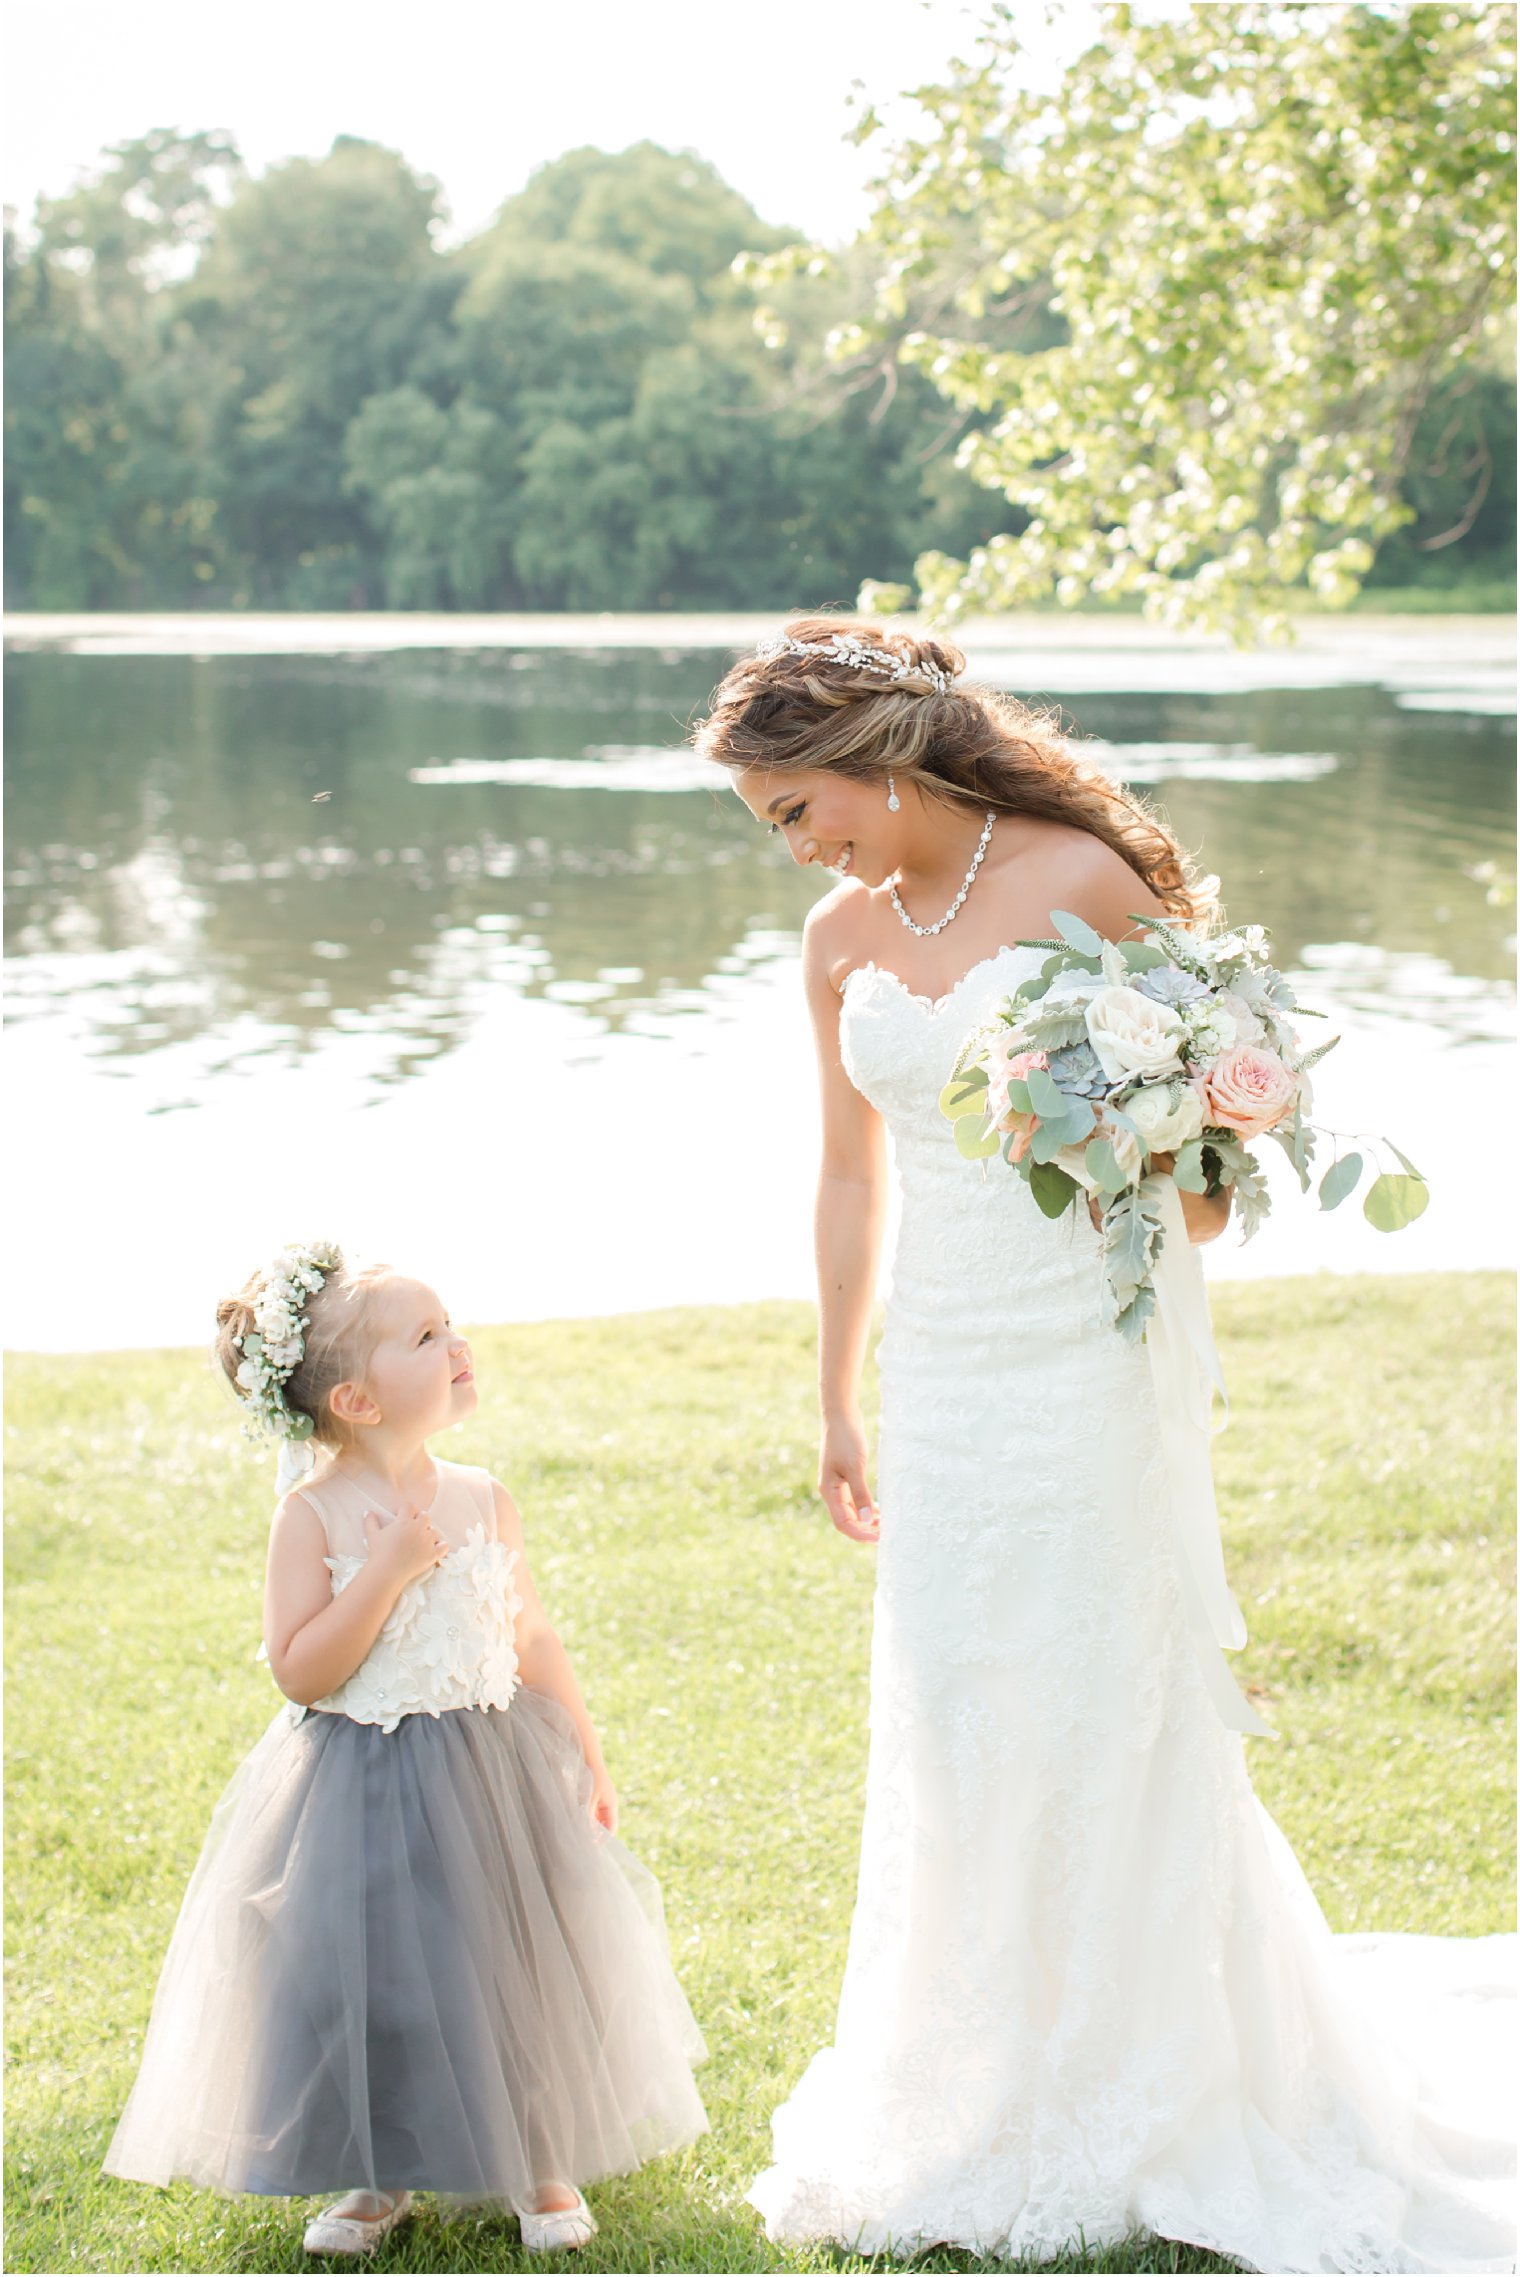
(1079, 872)
(833, 932)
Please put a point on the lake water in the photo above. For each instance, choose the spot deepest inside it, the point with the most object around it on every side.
(451, 953)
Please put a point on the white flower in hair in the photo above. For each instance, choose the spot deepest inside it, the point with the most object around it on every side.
(849, 648)
(273, 1348)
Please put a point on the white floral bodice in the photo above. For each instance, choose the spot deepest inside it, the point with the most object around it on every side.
(448, 1640)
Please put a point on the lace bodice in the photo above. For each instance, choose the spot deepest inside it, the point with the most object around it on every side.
(448, 1641)
(964, 1226)
(1088, 1988)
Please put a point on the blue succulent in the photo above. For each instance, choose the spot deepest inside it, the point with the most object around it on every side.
(1078, 1071)
(1165, 984)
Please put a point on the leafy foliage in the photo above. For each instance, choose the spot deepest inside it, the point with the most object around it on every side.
(282, 391)
(1276, 238)
(1132, 1239)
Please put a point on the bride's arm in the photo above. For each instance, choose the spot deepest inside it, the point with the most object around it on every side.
(1110, 896)
(847, 1228)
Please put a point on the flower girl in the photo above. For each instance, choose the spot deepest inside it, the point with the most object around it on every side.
(412, 1955)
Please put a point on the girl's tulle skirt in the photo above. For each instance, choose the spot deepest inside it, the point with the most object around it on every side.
(407, 1960)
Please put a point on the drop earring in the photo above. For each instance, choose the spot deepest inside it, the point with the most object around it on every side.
(893, 801)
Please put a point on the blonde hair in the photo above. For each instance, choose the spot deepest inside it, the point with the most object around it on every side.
(972, 744)
(336, 1347)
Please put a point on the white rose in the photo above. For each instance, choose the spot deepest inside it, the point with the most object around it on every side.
(1133, 1034)
(1248, 1028)
(1166, 1115)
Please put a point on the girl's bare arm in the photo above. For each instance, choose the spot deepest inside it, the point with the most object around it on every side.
(315, 1641)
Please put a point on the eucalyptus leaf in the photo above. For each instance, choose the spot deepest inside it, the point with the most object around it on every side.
(1047, 1142)
(1018, 1096)
(1339, 1181)
(1286, 1137)
(1408, 1165)
(1103, 1164)
(1046, 1096)
(1393, 1202)
(962, 1096)
(973, 1143)
(1078, 932)
(1053, 1189)
(1142, 956)
(1079, 1120)
(1180, 949)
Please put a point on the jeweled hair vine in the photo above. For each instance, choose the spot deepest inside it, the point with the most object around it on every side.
(861, 656)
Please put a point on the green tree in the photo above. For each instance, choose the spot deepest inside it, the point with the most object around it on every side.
(438, 482)
(321, 288)
(667, 212)
(550, 332)
(665, 459)
(138, 223)
(106, 497)
(1272, 232)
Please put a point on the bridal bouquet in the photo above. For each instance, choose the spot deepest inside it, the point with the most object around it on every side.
(1116, 1054)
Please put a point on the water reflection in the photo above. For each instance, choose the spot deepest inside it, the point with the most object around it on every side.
(231, 860)
(251, 900)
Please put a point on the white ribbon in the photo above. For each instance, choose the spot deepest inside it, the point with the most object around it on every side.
(297, 1460)
(1186, 1373)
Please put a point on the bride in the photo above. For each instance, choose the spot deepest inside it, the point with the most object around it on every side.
(1088, 1989)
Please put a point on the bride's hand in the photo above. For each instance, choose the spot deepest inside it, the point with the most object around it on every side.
(842, 1479)
(1204, 1215)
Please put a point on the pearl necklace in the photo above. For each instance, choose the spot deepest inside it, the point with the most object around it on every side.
(976, 863)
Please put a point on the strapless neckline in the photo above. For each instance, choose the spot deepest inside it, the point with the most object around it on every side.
(931, 1004)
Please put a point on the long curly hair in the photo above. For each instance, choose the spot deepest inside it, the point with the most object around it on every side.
(971, 745)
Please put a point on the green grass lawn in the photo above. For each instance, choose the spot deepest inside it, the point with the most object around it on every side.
(720, 1629)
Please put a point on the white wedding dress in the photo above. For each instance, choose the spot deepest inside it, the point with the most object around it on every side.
(1088, 1989)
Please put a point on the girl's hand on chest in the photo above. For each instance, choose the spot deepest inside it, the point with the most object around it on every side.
(406, 1547)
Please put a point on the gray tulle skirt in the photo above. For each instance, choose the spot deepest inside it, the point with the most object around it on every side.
(406, 1959)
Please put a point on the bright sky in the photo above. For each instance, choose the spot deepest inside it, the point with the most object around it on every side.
(480, 92)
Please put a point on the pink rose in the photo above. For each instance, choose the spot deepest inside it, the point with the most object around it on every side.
(1248, 1089)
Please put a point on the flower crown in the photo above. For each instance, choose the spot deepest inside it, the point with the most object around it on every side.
(848, 648)
(273, 1348)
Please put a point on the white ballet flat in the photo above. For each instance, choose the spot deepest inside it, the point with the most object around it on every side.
(346, 2233)
(560, 2232)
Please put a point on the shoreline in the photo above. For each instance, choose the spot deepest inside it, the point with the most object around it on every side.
(1460, 663)
(275, 632)
(654, 1319)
